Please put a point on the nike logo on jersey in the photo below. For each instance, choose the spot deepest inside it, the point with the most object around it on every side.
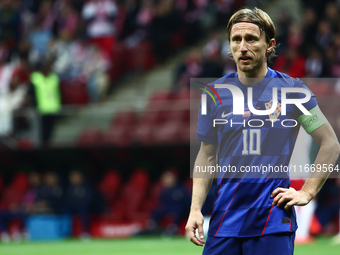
(225, 115)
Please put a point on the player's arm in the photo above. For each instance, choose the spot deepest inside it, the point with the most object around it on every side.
(207, 156)
(328, 154)
(325, 137)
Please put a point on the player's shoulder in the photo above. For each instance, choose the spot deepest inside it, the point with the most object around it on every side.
(223, 79)
(287, 81)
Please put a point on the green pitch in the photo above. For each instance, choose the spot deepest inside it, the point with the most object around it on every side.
(137, 246)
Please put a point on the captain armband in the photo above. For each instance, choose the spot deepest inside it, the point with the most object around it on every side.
(314, 121)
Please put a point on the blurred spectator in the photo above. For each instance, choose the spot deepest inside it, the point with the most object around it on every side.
(213, 61)
(31, 196)
(191, 68)
(291, 63)
(9, 23)
(20, 211)
(99, 15)
(328, 206)
(146, 13)
(174, 202)
(95, 72)
(195, 66)
(87, 63)
(50, 197)
(39, 38)
(60, 49)
(332, 16)
(47, 16)
(324, 34)
(165, 23)
(295, 36)
(78, 197)
(282, 30)
(67, 19)
(8, 98)
(309, 26)
(45, 94)
(315, 66)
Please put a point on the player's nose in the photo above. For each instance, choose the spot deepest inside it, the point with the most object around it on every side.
(243, 46)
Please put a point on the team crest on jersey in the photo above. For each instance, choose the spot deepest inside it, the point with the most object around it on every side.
(277, 111)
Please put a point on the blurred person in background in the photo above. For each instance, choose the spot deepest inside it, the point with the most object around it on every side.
(9, 23)
(45, 95)
(309, 25)
(324, 34)
(191, 68)
(7, 102)
(315, 64)
(291, 62)
(77, 200)
(20, 211)
(19, 86)
(31, 196)
(282, 27)
(60, 48)
(165, 23)
(67, 19)
(100, 28)
(39, 39)
(213, 61)
(174, 203)
(50, 196)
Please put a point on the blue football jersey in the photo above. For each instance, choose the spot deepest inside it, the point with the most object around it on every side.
(243, 207)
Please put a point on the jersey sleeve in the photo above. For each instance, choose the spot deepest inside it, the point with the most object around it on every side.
(205, 130)
(316, 118)
(312, 101)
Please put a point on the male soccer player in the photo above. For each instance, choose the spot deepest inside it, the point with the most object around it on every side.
(255, 215)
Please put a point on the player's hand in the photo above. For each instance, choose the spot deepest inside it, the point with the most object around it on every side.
(291, 196)
(195, 221)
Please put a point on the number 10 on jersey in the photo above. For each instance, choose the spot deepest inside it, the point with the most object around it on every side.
(251, 142)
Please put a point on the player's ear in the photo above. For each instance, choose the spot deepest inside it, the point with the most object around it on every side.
(271, 45)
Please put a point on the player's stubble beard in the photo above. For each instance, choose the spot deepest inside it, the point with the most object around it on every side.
(252, 68)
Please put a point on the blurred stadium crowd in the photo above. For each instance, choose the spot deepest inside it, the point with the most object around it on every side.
(159, 207)
(89, 46)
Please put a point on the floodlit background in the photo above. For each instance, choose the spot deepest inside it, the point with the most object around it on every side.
(95, 117)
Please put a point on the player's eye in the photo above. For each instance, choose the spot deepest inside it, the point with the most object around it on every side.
(251, 39)
(236, 39)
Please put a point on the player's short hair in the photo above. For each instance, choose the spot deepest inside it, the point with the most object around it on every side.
(257, 17)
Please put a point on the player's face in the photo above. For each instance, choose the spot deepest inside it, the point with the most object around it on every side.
(248, 46)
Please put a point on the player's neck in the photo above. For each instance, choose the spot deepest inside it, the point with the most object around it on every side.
(253, 77)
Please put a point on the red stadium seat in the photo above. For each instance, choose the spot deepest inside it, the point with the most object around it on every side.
(143, 134)
(74, 92)
(118, 135)
(130, 205)
(25, 144)
(119, 64)
(90, 137)
(182, 94)
(141, 57)
(177, 116)
(169, 133)
(124, 119)
(176, 41)
(139, 179)
(13, 194)
(161, 95)
(109, 186)
(155, 191)
(186, 133)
